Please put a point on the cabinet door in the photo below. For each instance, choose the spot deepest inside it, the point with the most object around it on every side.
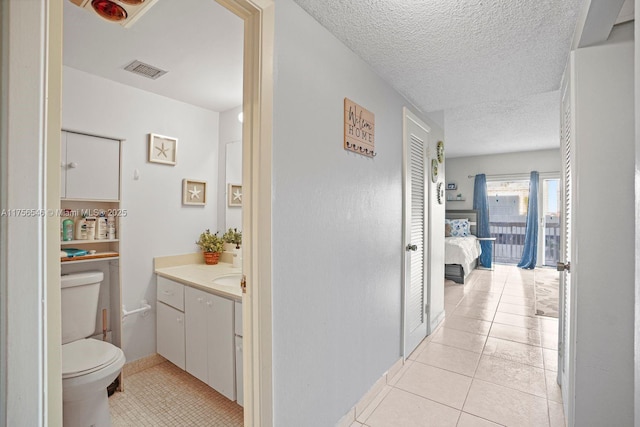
(237, 311)
(63, 165)
(220, 342)
(195, 304)
(170, 335)
(239, 374)
(92, 167)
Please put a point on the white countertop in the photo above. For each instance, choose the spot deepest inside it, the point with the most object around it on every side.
(200, 275)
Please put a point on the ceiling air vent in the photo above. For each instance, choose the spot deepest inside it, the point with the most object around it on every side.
(146, 70)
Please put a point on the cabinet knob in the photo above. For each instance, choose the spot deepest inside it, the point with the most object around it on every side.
(73, 165)
(179, 319)
(200, 299)
(209, 303)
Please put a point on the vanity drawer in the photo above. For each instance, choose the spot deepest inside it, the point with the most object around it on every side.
(171, 293)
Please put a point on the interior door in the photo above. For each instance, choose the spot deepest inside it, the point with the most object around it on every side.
(415, 239)
(565, 324)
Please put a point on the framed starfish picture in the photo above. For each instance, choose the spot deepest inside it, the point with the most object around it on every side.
(162, 149)
(234, 193)
(194, 192)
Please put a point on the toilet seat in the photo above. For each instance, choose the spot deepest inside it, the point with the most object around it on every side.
(85, 356)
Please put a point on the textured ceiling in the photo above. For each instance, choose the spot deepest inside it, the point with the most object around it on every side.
(489, 67)
(480, 67)
(526, 124)
(200, 46)
(447, 53)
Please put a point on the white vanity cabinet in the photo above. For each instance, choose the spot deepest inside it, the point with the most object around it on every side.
(171, 321)
(210, 340)
(90, 167)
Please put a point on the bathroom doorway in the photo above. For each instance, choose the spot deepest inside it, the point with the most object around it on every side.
(258, 18)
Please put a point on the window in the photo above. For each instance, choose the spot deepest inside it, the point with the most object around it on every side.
(551, 224)
(508, 202)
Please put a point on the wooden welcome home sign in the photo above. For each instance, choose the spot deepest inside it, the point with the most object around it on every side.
(359, 129)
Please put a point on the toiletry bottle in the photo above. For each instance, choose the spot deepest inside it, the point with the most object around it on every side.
(91, 227)
(81, 228)
(63, 216)
(101, 227)
(67, 229)
(111, 227)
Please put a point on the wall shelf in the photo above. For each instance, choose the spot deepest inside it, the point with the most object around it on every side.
(92, 257)
(87, 242)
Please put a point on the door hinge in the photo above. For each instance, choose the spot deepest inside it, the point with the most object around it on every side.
(243, 284)
(426, 308)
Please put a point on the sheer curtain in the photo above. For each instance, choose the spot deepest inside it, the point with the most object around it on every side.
(480, 203)
(530, 253)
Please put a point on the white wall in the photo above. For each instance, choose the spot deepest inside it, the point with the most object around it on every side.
(337, 227)
(637, 216)
(157, 223)
(603, 256)
(230, 167)
(459, 169)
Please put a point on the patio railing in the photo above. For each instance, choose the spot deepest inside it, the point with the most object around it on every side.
(509, 242)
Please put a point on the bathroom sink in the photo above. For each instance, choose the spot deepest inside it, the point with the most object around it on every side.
(228, 280)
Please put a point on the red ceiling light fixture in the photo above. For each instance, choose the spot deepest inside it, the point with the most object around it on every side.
(122, 12)
(109, 10)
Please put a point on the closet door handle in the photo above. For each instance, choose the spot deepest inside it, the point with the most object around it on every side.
(411, 247)
(73, 165)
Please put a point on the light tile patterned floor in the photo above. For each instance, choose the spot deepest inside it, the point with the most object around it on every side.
(165, 395)
(492, 362)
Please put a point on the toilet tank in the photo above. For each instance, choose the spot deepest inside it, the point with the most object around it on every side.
(79, 293)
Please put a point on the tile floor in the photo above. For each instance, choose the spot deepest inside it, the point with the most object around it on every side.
(165, 395)
(493, 362)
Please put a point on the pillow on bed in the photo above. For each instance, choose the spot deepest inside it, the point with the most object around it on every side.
(459, 227)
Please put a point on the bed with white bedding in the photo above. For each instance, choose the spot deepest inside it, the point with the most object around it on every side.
(461, 252)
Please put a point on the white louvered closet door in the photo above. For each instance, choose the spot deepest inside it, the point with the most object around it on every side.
(565, 349)
(415, 239)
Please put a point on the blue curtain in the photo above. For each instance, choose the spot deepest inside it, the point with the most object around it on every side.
(481, 204)
(530, 253)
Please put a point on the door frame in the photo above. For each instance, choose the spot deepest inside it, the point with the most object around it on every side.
(259, 17)
(32, 61)
(406, 200)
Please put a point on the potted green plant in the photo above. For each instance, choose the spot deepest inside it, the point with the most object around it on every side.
(212, 246)
(233, 236)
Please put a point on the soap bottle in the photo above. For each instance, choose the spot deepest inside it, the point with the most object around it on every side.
(101, 227)
(91, 227)
(81, 228)
(67, 229)
(111, 227)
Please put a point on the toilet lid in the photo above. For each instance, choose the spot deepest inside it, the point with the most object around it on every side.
(85, 356)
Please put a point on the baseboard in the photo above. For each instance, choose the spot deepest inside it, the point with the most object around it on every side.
(436, 322)
(142, 364)
(350, 417)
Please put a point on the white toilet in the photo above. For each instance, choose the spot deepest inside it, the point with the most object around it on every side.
(88, 365)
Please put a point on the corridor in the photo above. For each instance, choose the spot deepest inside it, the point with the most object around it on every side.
(492, 362)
